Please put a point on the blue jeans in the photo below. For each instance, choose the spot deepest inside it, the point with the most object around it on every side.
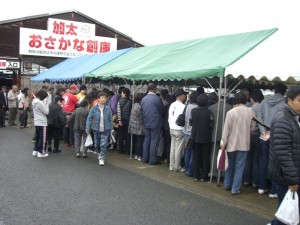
(101, 142)
(235, 170)
(188, 158)
(263, 167)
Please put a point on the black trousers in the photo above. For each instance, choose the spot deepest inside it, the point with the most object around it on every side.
(53, 133)
(124, 137)
(201, 156)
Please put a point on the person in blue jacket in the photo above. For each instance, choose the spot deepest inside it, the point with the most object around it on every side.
(100, 121)
(153, 111)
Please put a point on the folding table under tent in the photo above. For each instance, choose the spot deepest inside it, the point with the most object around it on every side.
(73, 69)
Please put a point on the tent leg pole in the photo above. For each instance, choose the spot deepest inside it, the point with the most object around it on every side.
(131, 138)
(215, 137)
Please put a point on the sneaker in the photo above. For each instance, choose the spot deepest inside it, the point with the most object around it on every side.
(273, 196)
(261, 191)
(21, 127)
(34, 153)
(40, 155)
(139, 159)
(136, 157)
(182, 170)
(89, 150)
(101, 162)
(84, 155)
(95, 152)
(171, 168)
(236, 193)
(78, 155)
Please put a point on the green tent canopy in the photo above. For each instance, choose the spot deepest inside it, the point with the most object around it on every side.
(185, 60)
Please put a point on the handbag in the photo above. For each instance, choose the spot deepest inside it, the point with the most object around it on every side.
(288, 211)
(180, 121)
(222, 160)
(88, 141)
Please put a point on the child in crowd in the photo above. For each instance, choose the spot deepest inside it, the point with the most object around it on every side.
(136, 126)
(100, 121)
(56, 121)
(40, 111)
(78, 119)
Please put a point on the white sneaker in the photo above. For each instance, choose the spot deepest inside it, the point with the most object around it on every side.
(136, 157)
(273, 196)
(101, 162)
(34, 153)
(261, 191)
(139, 158)
(40, 155)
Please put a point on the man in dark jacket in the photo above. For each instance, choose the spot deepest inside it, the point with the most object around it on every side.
(284, 158)
(56, 120)
(3, 105)
(153, 110)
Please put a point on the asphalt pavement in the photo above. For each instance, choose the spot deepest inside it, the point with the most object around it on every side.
(62, 189)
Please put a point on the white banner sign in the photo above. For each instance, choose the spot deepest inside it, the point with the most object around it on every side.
(72, 28)
(45, 43)
(6, 64)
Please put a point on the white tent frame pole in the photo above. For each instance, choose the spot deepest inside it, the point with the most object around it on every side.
(235, 87)
(215, 137)
(131, 137)
(211, 85)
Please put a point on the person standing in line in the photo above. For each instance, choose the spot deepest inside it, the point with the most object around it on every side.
(40, 111)
(50, 95)
(4, 104)
(12, 97)
(202, 122)
(268, 108)
(82, 93)
(236, 141)
(251, 167)
(23, 107)
(177, 135)
(78, 118)
(136, 126)
(188, 156)
(69, 105)
(56, 120)
(284, 161)
(124, 110)
(152, 109)
(100, 121)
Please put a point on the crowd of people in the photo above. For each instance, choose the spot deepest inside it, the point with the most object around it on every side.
(254, 131)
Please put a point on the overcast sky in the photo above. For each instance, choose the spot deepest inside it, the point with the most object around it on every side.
(160, 21)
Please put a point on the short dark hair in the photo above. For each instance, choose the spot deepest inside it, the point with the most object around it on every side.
(120, 89)
(126, 91)
(59, 90)
(257, 95)
(84, 103)
(42, 94)
(193, 97)
(101, 93)
(82, 87)
(293, 92)
(202, 100)
(200, 90)
(58, 98)
(239, 98)
(164, 93)
(45, 87)
(151, 87)
(138, 97)
(280, 88)
(4, 87)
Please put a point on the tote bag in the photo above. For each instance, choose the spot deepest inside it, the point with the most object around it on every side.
(222, 160)
(288, 211)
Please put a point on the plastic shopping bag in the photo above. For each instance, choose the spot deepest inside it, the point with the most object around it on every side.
(89, 141)
(288, 211)
(222, 160)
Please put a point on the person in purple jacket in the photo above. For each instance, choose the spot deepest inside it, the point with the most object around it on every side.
(153, 111)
